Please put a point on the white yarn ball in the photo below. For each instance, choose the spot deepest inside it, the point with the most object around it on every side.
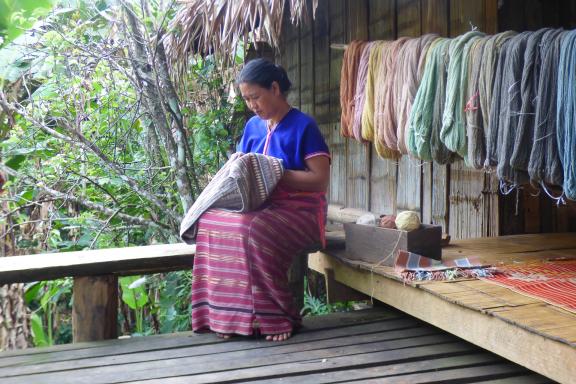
(407, 221)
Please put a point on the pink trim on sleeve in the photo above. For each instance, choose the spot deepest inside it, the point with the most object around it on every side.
(314, 154)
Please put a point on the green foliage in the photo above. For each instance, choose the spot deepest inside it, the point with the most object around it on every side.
(18, 15)
(73, 72)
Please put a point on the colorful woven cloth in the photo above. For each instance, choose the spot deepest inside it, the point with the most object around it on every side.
(243, 184)
(413, 267)
(553, 281)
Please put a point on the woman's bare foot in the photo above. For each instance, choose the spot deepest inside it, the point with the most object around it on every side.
(279, 337)
(224, 336)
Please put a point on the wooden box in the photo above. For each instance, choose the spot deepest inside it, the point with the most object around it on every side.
(376, 245)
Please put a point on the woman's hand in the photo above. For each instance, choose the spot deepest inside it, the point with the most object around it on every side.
(314, 179)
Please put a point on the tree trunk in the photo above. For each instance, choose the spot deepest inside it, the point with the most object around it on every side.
(154, 104)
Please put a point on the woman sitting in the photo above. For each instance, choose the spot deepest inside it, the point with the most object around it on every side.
(240, 283)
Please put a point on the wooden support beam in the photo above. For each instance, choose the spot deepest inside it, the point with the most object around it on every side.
(95, 309)
(336, 291)
(533, 351)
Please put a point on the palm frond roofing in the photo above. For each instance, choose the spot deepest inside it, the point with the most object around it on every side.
(217, 26)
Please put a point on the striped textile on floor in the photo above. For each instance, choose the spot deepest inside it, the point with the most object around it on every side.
(413, 267)
(552, 281)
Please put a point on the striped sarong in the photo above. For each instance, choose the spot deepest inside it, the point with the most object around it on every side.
(242, 260)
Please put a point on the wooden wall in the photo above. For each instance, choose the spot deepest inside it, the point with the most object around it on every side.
(464, 201)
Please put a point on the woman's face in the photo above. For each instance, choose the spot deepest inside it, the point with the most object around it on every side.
(262, 101)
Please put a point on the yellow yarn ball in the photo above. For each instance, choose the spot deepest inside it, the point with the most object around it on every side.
(407, 221)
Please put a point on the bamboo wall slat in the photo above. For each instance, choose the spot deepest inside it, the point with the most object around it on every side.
(337, 28)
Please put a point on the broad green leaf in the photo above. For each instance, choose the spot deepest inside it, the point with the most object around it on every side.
(38, 335)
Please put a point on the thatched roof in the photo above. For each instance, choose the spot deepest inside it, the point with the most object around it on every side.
(217, 26)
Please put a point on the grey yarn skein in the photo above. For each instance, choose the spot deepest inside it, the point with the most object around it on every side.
(544, 165)
(510, 106)
(528, 90)
(476, 153)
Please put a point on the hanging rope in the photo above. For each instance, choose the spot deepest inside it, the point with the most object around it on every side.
(453, 133)
(544, 165)
(360, 94)
(348, 85)
(566, 112)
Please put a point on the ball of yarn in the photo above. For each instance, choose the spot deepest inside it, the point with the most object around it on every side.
(407, 221)
(388, 221)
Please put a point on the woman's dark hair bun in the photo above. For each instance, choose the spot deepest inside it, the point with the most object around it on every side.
(263, 73)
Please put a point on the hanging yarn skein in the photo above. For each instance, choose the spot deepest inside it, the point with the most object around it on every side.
(487, 74)
(510, 105)
(371, 81)
(440, 153)
(380, 98)
(348, 85)
(453, 133)
(566, 112)
(410, 68)
(522, 145)
(360, 94)
(544, 165)
(421, 114)
(476, 152)
(492, 130)
(388, 117)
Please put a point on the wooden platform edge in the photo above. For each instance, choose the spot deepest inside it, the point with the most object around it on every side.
(535, 352)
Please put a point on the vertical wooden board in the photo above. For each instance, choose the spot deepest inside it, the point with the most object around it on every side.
(409, 182)
(465, 14)
(531, 210)
(491, 14)
(568, 14)
(383, 185)
(292, 60)
(381, 19)
(337, 30)
(467, 213)
(383, 172)
(307, 64)
(427, 194)
(336, 11)
(492, 206)
(440, 192)
(339, 165)
(435, 181)
(321, 66)
(511, 15)
(358, 185)
(435, 17)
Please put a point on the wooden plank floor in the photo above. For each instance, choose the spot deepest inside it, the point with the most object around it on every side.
(523, 329)
(380, 345)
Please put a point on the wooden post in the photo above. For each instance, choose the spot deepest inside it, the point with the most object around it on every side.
(336, 291)
(296, 278)
(95, 309)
